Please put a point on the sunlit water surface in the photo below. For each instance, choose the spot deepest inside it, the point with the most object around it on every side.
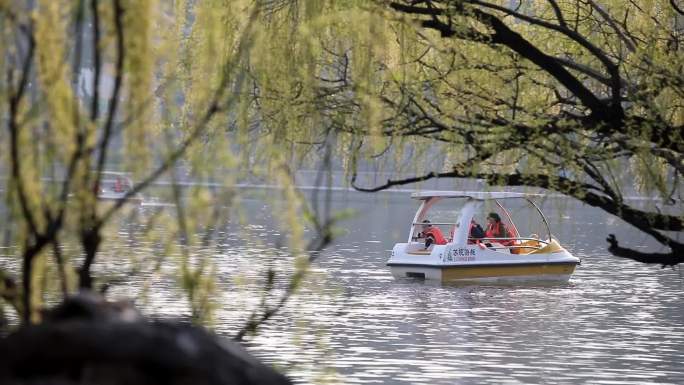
(615, 322)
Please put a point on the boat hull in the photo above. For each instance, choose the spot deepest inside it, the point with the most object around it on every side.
(557, 272)
(454, 263)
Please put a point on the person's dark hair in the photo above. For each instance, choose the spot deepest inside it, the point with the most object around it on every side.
(426, 222)
(476, 230)
(494, 216)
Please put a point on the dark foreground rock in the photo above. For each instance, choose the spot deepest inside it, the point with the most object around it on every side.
(89, 341)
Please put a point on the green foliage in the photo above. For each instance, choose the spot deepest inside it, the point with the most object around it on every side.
(165, 91)
(576, 99)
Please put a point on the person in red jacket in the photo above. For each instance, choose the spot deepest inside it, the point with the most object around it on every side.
(496, 229)
(432, 235)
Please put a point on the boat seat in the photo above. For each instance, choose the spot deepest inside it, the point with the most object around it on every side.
(420, 252)
(531, 246)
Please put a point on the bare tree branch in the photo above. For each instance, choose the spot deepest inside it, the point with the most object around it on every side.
(677, 8)
(505, 36)
(664, 259)
(647, 222)
(628, 42)
(97, 66)
(90, 233)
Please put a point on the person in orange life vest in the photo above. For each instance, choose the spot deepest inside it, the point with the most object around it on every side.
(496, 229)
(118, 185)
(432, 235)
(475, 232)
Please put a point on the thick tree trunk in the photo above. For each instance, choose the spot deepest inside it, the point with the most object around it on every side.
(90, 242)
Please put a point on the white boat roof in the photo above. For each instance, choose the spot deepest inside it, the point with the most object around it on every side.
(477, 195)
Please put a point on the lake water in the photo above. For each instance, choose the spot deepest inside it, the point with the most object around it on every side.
(615, 322)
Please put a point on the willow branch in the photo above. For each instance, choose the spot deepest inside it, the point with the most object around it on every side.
(676, 7)
(14, 127)
(664, 259)
(628, 43)
(213, 108)
(574, 35)
(97, 67)
(118, 80)
(61, 268)
(505, 36)
(315, 246)
(648, 222)
(559, 13)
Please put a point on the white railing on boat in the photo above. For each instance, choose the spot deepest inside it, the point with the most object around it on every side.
(514, 246)
(503, 239)
(542, 243)
(510, 239)
(434, 223)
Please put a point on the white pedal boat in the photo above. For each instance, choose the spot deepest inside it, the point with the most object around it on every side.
(536, 257)
(115, 186)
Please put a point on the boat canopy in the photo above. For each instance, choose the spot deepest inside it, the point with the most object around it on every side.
(477, 195)
(456, 217)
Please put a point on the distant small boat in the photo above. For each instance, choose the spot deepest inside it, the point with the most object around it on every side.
(467, 253)
(115, 186)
